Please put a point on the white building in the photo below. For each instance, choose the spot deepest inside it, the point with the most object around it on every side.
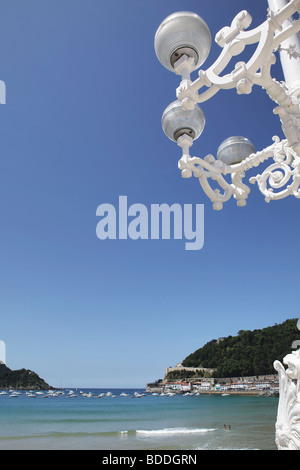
(179, 386)
(202, 385)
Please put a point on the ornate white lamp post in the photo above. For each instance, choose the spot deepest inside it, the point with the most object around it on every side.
(182, 44)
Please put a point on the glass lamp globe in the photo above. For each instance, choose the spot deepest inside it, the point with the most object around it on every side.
(177, 121)
(234, 150)
(182, 33)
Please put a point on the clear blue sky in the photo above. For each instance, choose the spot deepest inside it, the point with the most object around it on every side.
(85, 95)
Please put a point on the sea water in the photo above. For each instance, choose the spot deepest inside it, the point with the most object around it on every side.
(147, 422)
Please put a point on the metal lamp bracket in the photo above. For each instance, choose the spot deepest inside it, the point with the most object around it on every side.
(273, 182)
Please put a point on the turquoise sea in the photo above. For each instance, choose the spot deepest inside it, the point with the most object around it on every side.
(111, 421)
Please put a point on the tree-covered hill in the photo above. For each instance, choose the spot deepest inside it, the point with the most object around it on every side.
(22, 379)
(247, 354)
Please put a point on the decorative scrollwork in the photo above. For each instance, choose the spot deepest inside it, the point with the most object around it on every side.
(286, 166)
(278, 175)
(288, 414)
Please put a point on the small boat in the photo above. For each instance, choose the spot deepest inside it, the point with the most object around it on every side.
(53, 394)
(225, 394)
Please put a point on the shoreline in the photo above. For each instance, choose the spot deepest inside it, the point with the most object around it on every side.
(259, 393)
(240, 392)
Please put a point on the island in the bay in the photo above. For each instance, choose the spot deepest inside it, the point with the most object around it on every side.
(22, 379)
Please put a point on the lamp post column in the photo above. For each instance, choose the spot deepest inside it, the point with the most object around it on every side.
(289, 50)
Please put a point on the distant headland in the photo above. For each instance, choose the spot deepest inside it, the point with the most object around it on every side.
(22, 379)
(236, 364)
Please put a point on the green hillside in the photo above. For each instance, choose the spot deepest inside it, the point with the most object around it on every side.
(248, 353)
(21, 379)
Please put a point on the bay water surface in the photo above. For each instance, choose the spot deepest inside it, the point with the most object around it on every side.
(119, 419)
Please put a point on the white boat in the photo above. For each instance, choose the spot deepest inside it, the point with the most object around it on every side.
(14, 395)
(225, 394)
(52, 394)
(3, 393)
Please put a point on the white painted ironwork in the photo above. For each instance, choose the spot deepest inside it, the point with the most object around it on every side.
(288, 415)
(280, 32)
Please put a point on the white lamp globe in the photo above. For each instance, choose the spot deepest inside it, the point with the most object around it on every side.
(234, 150)
(177, 121)
(182, 33)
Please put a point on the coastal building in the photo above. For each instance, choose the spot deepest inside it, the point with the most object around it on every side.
(205, 385)
(250, 385)
(195, 370)
(178, 386)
